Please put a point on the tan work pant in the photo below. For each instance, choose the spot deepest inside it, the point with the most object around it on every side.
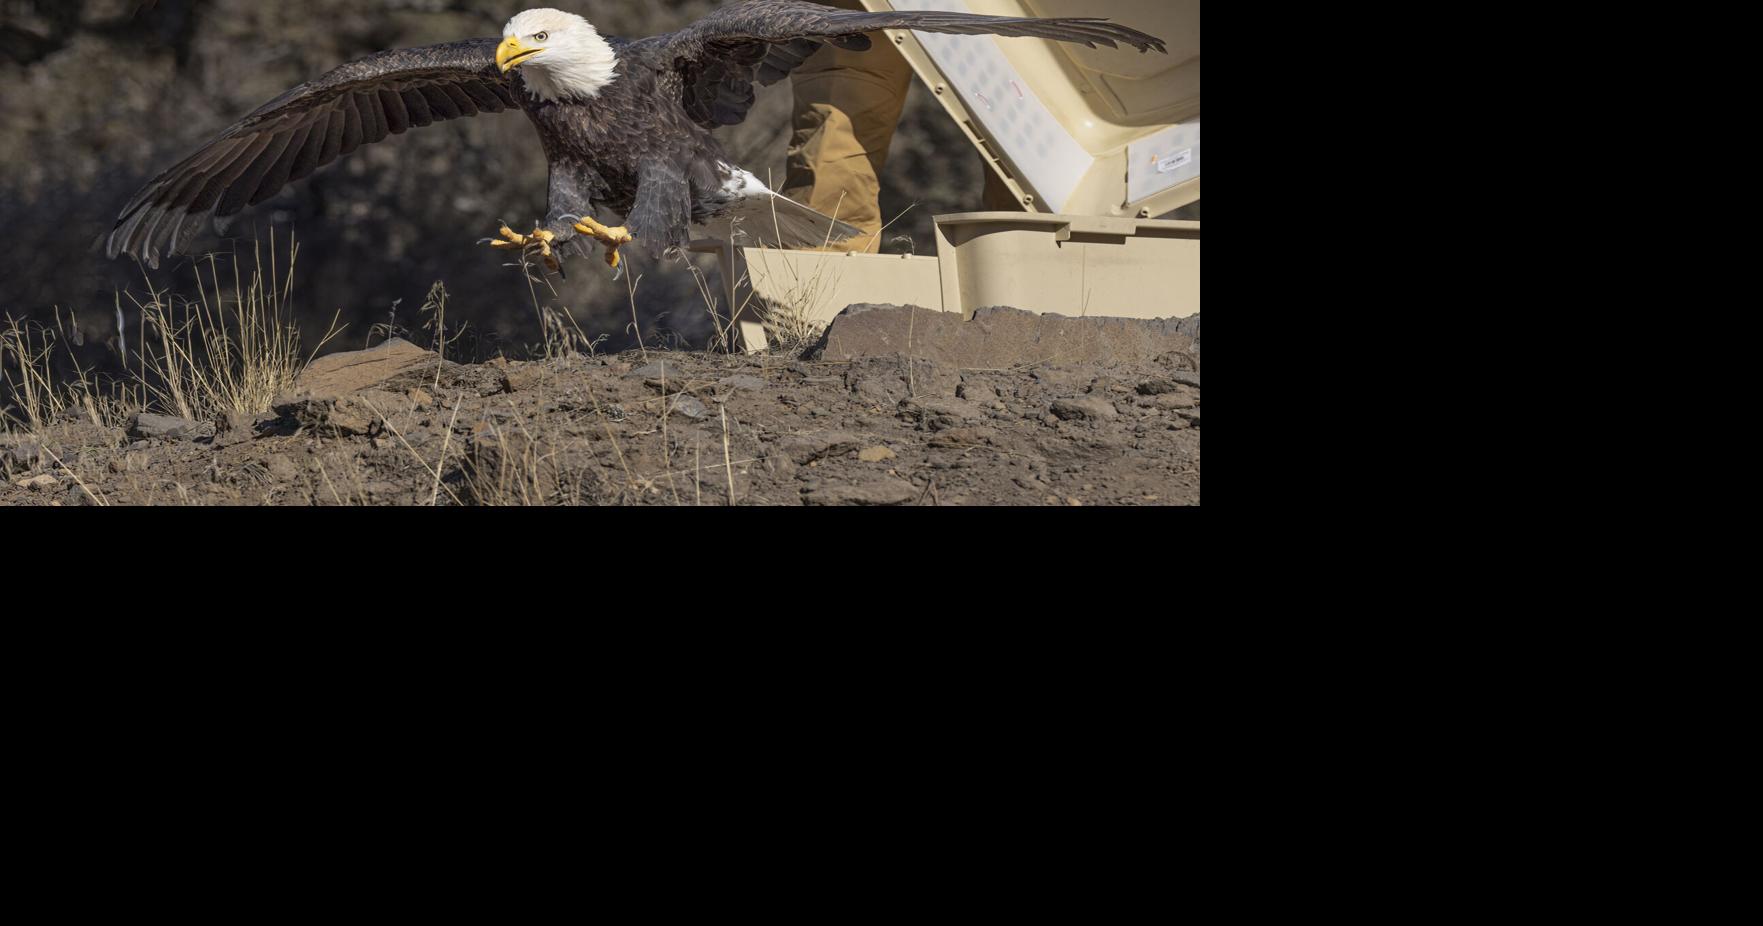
(848, 105)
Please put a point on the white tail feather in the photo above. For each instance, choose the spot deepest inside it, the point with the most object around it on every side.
(770, 220)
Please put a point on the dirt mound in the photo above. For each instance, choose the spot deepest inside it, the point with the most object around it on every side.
(660, 429)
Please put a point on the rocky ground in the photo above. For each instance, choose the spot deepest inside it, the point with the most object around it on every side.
(398, 426)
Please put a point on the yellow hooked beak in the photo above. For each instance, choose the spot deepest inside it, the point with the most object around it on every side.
(511, 54)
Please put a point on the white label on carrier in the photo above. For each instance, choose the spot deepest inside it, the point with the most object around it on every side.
(1175, 162)
(1162, 161)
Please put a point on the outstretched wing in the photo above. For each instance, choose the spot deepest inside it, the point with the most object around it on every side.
(761, 41)
(304, 129)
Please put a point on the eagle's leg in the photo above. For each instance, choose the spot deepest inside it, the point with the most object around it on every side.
(540, 239)
(613, 238)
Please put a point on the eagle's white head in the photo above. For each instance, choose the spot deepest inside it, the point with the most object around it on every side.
(561, 55)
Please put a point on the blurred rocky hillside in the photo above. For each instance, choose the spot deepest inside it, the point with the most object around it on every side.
(97, 96)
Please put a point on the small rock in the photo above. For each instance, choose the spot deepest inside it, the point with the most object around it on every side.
(165, 427)
(347, 418)
(283, 469)
(933, 414)
(1086, 409)
(877, 455)
(355, 415)
(804, 449)
(1059, 378)
(522, 378)
(879, 493)
(780, 466)
(742, 381)
(23, 455)
(236, 427)
(689, 407)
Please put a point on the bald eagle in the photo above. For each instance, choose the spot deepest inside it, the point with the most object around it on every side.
(626, 125)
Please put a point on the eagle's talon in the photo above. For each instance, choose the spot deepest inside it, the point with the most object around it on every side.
(613, 238)
(540, 239)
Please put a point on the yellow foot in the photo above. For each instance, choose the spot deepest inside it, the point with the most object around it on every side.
(540, 239)
(611, 237)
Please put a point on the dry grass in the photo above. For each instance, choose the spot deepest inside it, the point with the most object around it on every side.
(511, 466)
(230, 349)
(233, 347)
(562, 334)
(39, 395)
(790, 316)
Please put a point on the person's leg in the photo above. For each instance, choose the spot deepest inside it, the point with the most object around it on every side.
(848, 105)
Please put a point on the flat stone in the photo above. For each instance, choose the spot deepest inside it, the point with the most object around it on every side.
(337, 375)
(166, 427)
(660, 369)
(877, 493)
(741, 381)
(803, 449)
(1085, 409)
(689, 407)
(1000, 338)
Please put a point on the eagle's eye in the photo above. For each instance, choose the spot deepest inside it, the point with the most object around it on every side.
(542, 36)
